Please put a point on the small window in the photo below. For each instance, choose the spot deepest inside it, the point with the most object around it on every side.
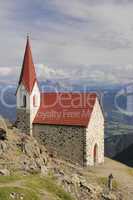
(34, 101)
(24, 101)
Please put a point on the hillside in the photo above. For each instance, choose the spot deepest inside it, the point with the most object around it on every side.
(116, 144)
(28, 172)
(126, 156)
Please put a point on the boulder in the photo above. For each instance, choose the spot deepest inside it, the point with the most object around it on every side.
(39, 162)
(44, 170)
(31, 149)
(3, 135)
(8, 124)
(88, 188)
(3, 147)
(109, 196)
(4, 172)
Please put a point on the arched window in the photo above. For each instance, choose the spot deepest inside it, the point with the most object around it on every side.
(34, 101)
(95, 153)
(24, 101)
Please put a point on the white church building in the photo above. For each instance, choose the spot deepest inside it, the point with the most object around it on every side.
(70, 125)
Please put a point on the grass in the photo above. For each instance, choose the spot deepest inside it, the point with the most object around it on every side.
(130, 171)
(18, 152)
(30, 186)
(104, 182)
(115, 184)
(9, 179)
(5, 193)
(49, 184)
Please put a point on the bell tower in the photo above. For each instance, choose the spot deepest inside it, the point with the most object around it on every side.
(28, 94)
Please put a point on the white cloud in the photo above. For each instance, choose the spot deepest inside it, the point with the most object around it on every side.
(104, 74)
(68, 34)
(80, 75)
(5, 71)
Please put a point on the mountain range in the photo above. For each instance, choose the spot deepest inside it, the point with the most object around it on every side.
(115, 120)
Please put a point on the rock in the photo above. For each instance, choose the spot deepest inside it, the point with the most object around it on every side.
(32, 149)
(33, 168)
(75, 179)
(29, 149)
(29, 165)
(2, 134)
(4, 172)
(67, 180)
(8, 124)
(15, 195)
(39, 162)
(44, 156)
(109, 196)
(3, 146)
(87, 187)
(44, 170)
(25, 165)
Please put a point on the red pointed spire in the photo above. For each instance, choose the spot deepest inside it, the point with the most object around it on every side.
(28, 74)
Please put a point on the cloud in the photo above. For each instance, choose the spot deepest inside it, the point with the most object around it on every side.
(5, 71)
(86, 75)
(80, 75)
(75, 34)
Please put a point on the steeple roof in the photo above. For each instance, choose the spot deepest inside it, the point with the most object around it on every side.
(28, 74)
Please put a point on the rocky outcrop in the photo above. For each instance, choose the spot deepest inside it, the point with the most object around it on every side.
(79, 187)
(4, 172)
(2, 134)
(23, 153)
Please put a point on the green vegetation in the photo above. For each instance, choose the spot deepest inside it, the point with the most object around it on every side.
(9, 179)
(5, 193)
(32, 187)
(104, 182)
(18, 152)
(115, 184)
(49, 184)
(130, 171)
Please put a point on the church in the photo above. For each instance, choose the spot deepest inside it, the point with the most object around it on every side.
(69, 124)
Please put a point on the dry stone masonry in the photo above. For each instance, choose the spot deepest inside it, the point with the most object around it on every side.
(66, 141)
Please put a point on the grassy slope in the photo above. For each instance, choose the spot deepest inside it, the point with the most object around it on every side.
(27, 194)
(33, 187)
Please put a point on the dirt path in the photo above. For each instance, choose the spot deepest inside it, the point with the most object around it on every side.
(122, 174)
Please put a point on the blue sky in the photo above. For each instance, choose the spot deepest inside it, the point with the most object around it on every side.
(90, 38)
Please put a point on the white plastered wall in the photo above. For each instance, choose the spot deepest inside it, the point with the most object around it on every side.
(30, 108)
(95, 136)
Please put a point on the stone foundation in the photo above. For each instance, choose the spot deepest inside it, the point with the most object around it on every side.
(23, 120)
(67, 142)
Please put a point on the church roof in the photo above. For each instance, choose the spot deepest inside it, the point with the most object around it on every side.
(65, 109)
(28, 74)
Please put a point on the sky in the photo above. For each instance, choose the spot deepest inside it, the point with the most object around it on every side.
(71, 39)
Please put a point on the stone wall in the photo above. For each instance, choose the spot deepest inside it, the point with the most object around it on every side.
(23, 120)
(95, 137)
(66, 141)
